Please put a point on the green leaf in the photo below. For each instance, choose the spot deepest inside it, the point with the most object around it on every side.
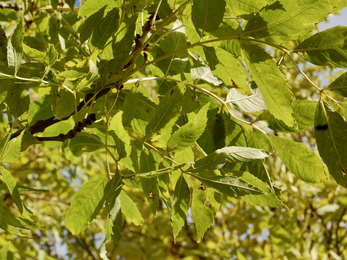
(304, 112)
(331, 136)
(12, 150)
(271, 82)
(186, 135)
(51, 55)
(150, 185)
(34, 54)
(4, 250)
(213, 137)
(130, 210)
(11, 220)
(115, 214)
(86, 204)
(63, 103)
(167, 111)
(3, 47)
(15, 47)
(176, 63)
(326, 48)
(71, 3)
(339, 85)
(161, 171)
(40, 109)
(205, 204)
(266, 199)
(181, 199)
(242, 7)
(13, 189)
(234, 134)
(117, 49)
(258, 139)
(284, 20)
(120, 135)
(248, 104)
(228, 185)
(17, 99)
(129, 107)
(91, 23)
(300, 160)
(232, 154)
(226, 67)
(90, 7)
(207, 15)
(107, 27)
(73, 148)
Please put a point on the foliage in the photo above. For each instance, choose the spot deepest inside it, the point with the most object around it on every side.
(119, 114)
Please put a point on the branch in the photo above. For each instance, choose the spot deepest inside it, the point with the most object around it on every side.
(41, 125)
(73, 132)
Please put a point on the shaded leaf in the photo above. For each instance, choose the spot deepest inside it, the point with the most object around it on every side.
(175, 63)
(326, 48)
(266, 199)
(181, 199)
(167, 111)
(150, 185)
(62, 103)
(207, 15)
(331, 136)
(229, 185)
(339, 85)
(105, 29)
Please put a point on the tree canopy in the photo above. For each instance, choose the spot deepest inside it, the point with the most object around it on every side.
(172, 129)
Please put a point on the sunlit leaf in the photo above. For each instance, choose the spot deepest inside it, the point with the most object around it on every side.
(15, 47)
(13, 148)
(299, 159)
(241, 7)
(187, 134)
(271, 82)
(86, 204)
(284, 21)
(205, 204)
(130, 210)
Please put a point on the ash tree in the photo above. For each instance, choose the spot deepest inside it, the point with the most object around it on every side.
(124, 117)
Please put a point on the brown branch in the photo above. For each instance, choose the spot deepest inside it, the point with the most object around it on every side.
(336, 231)
(41, 125)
